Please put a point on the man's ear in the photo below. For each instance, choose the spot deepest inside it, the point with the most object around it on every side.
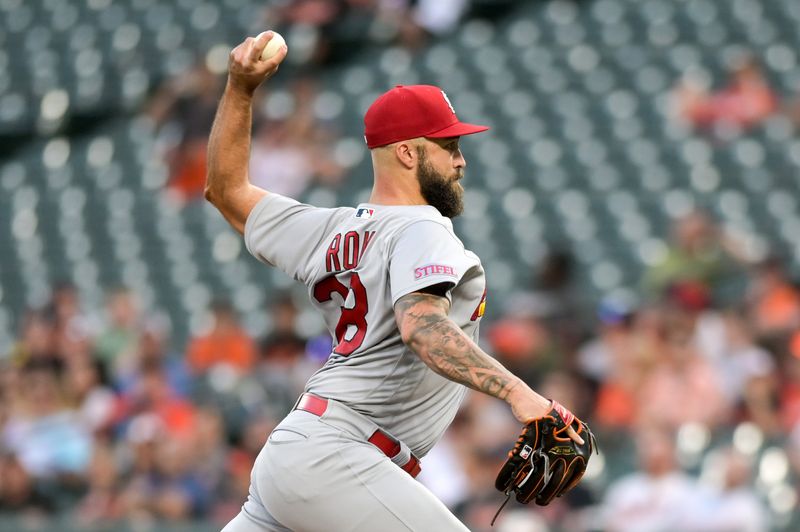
(406, 153)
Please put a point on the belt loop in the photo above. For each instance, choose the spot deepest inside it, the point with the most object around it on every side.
(296, 403)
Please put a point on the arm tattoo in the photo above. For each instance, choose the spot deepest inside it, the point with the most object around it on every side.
(446, 349)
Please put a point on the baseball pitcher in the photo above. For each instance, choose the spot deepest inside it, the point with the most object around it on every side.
(402, 299)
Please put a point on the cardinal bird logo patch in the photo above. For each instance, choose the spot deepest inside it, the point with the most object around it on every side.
(481, 308)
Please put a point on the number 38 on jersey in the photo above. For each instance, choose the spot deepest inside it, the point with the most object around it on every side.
(344, 253)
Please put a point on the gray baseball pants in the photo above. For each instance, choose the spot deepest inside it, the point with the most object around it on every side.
(321, 474)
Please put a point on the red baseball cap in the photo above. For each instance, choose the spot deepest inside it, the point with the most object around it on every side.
(411, 111)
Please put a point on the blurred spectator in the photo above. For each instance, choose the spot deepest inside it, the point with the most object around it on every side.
(438, 16)
(774, 299)
(416, 21)
(598, 358)
(183, 109)
(655, 498)
(118, 340)
(163, 485)
(553, 298)
(727, 339)
(151, 349)
(790, 386)
(101, 504)
(481, 438)
(633, 354)
(746, 370)
(540, 326)
(746, 101)
(283, 370)
(292, 149)
(698, 265)
(525, 346)
(731, 506)
(227, 344)
(37, 340)
(322, 31)
(235, 480)
(208, 449)
(17, 490)
(793, 449)
(444, 471)
(86, 387)
(71, 329)
(681, 386)
(283, 313)
(521, 521)
(47, 438)
(153, 399)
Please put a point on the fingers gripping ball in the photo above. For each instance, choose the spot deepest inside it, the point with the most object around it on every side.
(273, 46)
(545, 462)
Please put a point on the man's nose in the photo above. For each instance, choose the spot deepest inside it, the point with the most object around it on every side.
(459, 161)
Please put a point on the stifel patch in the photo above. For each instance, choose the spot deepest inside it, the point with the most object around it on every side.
(434, 269)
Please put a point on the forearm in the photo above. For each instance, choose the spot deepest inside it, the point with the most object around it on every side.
(229, 145)
(448, 351)
(227, 182)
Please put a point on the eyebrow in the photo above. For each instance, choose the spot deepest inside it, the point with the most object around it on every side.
(447, 142)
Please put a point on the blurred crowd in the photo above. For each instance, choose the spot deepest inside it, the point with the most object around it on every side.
(694, 373)
(100, 421)
(690, 378)
(291, 146)
(292, 133)
(743, 101)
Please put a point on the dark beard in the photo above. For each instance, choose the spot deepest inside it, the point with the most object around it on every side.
(445, 195)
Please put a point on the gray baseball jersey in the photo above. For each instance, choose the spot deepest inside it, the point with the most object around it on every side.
(356, 263)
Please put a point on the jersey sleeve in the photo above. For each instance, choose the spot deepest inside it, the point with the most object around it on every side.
(284, 233)
(426, 253)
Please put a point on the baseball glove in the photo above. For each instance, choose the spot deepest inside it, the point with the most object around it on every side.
(545, 462)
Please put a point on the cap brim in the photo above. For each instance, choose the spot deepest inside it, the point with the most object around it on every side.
(459, 129)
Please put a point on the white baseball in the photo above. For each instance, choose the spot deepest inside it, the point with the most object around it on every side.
(272, 46)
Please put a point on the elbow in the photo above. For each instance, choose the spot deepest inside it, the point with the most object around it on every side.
(212, 193)
(408, 334)
(208, 194)
(413, 336)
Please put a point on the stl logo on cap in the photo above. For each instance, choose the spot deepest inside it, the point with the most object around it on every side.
(450, 105)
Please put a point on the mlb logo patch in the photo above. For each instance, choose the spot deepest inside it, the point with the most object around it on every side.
(525, 452)
(365, 213)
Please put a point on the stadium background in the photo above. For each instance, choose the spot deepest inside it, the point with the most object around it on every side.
(635, 206)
